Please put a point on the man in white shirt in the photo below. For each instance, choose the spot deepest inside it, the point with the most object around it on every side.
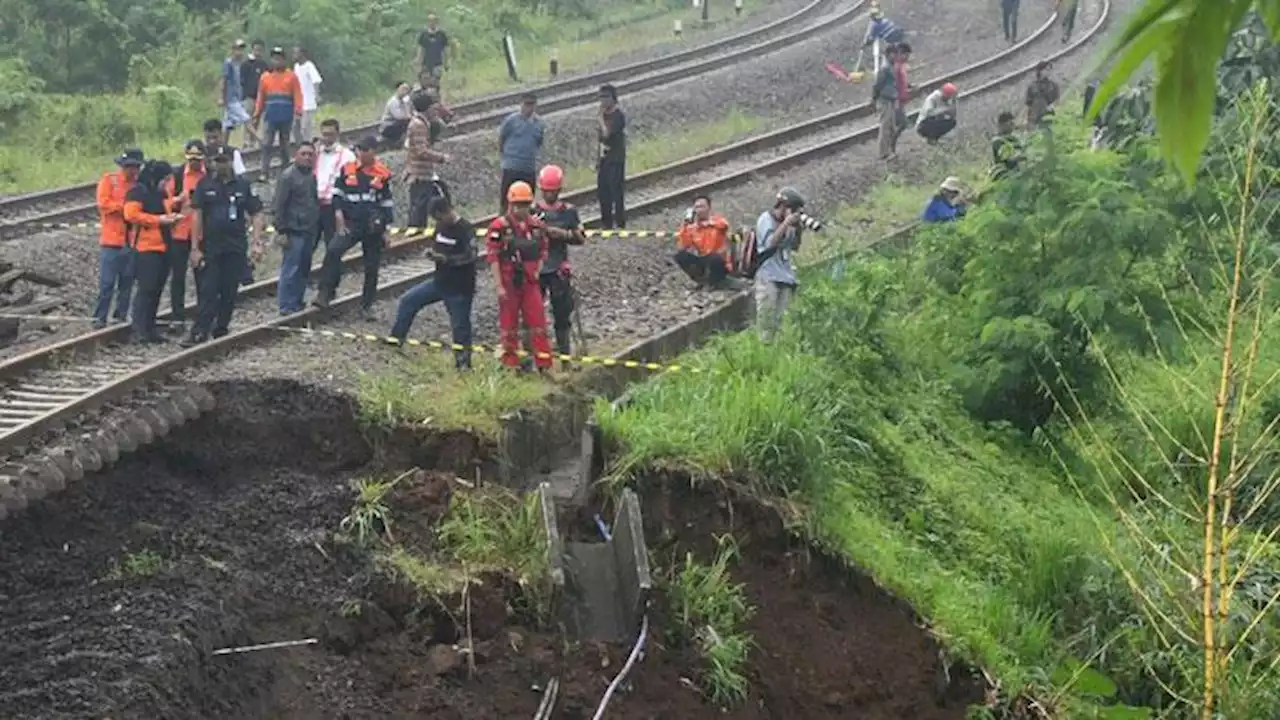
(309, 80)
(938, 115)
(331, 157)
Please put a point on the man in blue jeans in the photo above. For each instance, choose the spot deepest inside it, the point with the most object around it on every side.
(116, 257)
(454, 281)
(297, 221)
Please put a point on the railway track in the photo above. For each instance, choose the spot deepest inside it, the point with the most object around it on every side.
(46, 392)
(67, 207)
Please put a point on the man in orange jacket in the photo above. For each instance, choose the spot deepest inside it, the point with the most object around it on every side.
(279, 102)
(516, 249)
(702, 245)
(115, 263)
(178, 188)
(145, 214)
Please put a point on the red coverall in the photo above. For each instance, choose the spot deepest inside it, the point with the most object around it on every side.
(520, 246)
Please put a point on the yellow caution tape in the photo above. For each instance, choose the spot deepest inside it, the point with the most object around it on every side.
(480, 232)
(491, 350)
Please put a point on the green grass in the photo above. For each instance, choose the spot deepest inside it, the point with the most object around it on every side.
(161, 122)
(422, 388)
(691, 139)
(710, 610)
(136, 566)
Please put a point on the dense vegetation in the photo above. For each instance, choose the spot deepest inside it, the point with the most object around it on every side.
(79, 80)
(1011, 424)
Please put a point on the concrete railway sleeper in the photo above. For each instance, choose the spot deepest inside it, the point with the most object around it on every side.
(47, 389)
(25, 214)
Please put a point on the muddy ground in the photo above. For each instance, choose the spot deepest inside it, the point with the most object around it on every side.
(115, 593)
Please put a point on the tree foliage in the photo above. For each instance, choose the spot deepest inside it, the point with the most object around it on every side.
(1186, 39)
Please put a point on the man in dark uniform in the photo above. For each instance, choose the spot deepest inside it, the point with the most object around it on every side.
(223, 203)
(364, 209)
(564, 228)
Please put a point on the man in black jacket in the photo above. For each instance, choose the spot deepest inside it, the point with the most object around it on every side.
(297, 222)
(454, 282)
(364, 209)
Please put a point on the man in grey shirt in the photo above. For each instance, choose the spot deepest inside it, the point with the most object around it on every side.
(297, 222)
(777, 237)
(519, 140)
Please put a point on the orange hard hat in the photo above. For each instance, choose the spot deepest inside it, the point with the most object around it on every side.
(520, 192)
(551, 178)
(948, 90)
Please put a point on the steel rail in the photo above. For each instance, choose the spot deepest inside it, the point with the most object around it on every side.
(408, 242)
(486, 111)
(26, 414)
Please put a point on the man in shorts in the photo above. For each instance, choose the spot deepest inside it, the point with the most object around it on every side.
(231, 93)
(433, 44)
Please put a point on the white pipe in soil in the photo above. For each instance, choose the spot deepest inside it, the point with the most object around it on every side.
(265, 646)
(631, 660)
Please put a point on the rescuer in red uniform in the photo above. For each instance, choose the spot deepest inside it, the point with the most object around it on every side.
(563, 228)
(517, 247)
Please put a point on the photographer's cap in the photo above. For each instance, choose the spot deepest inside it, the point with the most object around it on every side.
(951, 184)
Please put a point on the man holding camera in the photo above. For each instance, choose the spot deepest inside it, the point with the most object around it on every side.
(777, 238)
(702, 245)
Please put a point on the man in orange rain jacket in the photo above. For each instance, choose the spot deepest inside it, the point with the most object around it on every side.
(279, 102)
(702, 245)
(115, 263)
(517, 247)
(178, 188)
(146, 216)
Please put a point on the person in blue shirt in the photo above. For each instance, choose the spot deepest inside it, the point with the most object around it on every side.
(883, 34)
(947, 205)
(777, 239)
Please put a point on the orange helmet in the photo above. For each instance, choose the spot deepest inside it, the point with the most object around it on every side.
(551, 178)
(948, 91)
(520, 192)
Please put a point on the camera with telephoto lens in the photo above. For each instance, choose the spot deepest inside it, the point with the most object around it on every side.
(809, 222)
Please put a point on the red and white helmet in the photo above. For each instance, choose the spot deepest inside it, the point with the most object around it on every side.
(948, 90)
(551, 178)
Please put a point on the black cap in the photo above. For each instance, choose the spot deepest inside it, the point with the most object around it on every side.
(368, 142)
(132, 157)
(194, 149)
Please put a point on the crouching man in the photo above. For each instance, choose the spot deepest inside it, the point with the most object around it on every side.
(702, 246)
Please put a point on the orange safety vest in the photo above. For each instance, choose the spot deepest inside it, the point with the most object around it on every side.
(181, 230)
(112, 189)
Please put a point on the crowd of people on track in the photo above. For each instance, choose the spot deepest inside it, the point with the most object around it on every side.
(205, 215)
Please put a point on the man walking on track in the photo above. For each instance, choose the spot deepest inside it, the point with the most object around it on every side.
(433, 47)
(516, 249)
(891, 93)
(231, 97)
(223, 203)
(364, 211)
(1067, 10)
(309, 80)
(611, 172)
(279, 102)
(519, 141)
(297, 220)
(1009, 19)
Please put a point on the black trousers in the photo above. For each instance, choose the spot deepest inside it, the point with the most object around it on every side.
(152, 271)
(393, 133)
(511, 177)
(560, 290)
(219, 279)
(1009, 19)
(327, 227)
(703, 269)
(421, 193)
(610, 181)
(932, 128)
(331, 272)
(179, 259)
